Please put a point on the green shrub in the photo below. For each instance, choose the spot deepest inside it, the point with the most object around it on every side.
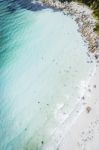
(97, 28)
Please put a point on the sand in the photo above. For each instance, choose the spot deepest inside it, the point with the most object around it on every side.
(84, 132)
(81, 130)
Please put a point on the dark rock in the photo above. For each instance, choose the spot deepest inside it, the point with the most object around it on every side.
(96, 56)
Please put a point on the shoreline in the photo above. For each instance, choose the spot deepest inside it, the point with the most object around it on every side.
(81, 128)
(83, 17)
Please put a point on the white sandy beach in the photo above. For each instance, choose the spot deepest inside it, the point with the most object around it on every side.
(81, 130)
(84, 132)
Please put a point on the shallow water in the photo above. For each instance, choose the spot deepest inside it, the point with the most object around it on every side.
(42, 68)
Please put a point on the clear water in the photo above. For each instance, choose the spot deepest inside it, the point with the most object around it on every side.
(42, 65)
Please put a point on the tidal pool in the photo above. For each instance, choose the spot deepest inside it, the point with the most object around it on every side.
(42, 71)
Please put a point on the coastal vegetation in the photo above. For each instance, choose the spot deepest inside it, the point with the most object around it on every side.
(93, 4)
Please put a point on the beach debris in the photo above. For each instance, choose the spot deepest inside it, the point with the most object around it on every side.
(96, 56)
(88, 109)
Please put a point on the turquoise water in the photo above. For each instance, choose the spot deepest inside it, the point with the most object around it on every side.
(42, 68)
